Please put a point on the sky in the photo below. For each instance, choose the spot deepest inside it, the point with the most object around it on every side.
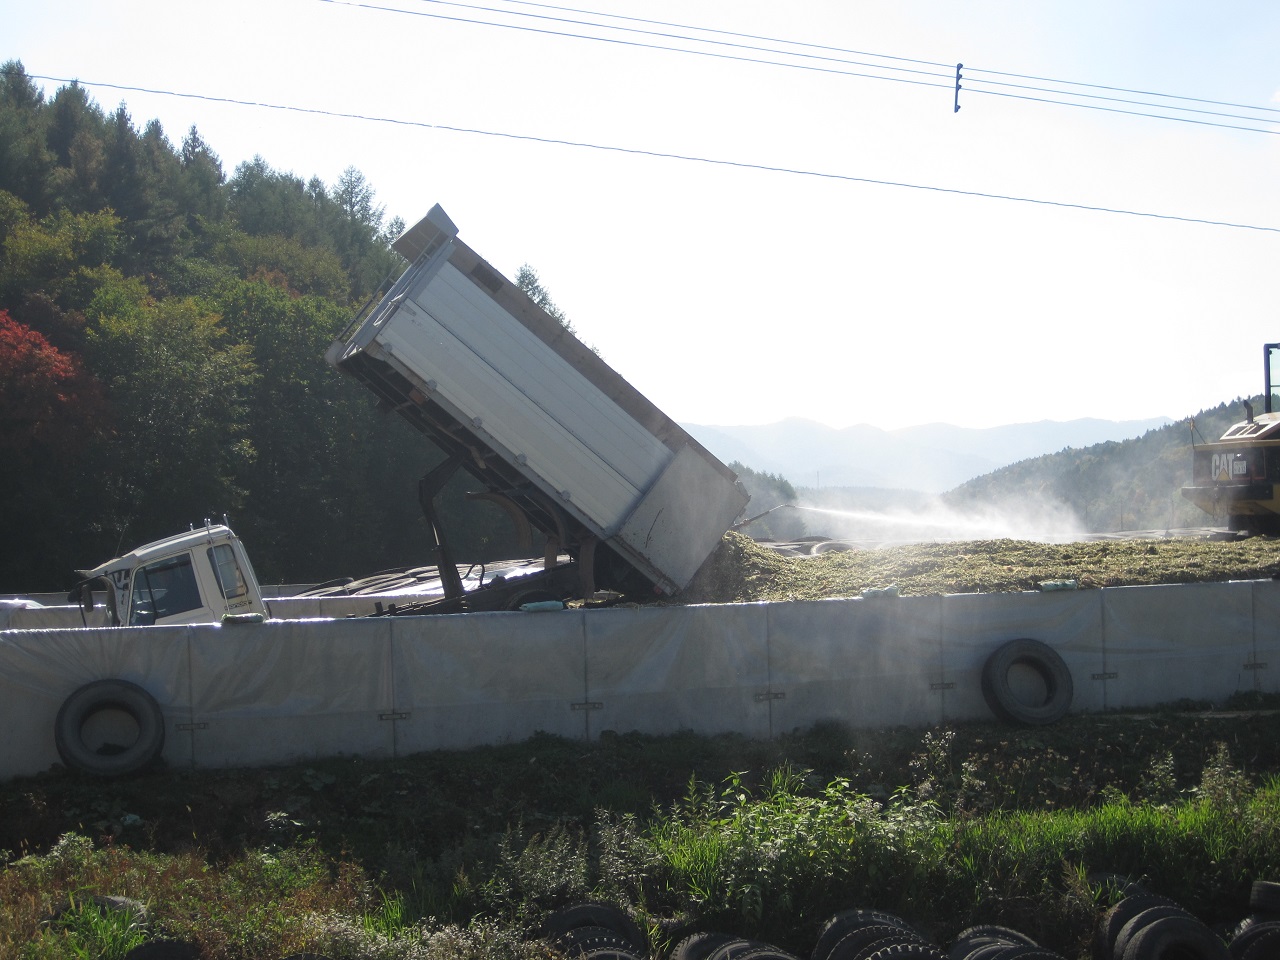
(820, 236)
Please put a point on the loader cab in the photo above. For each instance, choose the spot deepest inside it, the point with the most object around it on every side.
(1271, 372)
(196, 577)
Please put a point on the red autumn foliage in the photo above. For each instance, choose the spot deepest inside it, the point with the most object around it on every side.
(48, 402)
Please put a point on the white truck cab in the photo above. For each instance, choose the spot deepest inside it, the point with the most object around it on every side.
(195, 577)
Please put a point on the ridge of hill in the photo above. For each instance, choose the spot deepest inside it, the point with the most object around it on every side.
(931, 457)
(1128, 484)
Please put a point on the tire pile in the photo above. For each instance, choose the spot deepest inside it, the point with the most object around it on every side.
(1146, 926)
(1141, 926)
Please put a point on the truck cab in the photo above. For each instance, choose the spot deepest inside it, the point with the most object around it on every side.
(1238, 475)
(195, 577)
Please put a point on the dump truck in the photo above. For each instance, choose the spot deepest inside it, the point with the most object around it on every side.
(624, 498)
(627, 503)
(1238, 475)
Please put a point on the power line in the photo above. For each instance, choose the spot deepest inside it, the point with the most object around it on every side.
(885, 56)
(647, 46)
(635, 151)
(836, 60)
(1132, 113)
(1144, 93)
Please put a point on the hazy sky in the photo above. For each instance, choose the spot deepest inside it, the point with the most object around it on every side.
(729, 293)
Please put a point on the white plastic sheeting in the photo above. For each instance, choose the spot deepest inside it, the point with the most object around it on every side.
(279, 691)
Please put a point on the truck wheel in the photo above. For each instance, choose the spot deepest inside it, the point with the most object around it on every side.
(593, 913)
(838, 925)
(1183, 937)
(1044, 660)
(108, 759)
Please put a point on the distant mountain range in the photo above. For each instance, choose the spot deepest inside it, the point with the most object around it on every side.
(933, 458)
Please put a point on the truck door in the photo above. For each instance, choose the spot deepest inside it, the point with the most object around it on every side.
(232, 580)
(167, 591)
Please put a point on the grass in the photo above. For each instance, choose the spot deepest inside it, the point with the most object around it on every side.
(460, 854)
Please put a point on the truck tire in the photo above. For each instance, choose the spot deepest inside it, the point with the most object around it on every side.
(1143, 920)
(592, 913)
(94, 698)
(1244, 939)
(1183, 937)
(971, 938)
(1115, 919)
(1264, 897)
(1044, 660)
(835, 927)
(699, 945)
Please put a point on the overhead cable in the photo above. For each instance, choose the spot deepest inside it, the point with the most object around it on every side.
(738, 164)
(824, 64)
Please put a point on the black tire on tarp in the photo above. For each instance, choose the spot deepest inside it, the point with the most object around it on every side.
(94, 698)
(1044, 660)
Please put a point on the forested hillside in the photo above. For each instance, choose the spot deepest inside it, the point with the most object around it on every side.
(1129, 485)
(162, 331)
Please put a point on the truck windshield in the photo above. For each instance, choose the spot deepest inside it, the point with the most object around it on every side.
(163, 589)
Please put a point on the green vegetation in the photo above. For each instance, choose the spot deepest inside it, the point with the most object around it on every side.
(162, 332)
(461, 854)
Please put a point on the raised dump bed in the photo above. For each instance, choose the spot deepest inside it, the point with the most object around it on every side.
(555, 435)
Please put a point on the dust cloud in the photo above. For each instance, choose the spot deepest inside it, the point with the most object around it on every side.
(930, 518)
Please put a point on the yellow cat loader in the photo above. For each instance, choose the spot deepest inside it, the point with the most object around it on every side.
(1239, 474)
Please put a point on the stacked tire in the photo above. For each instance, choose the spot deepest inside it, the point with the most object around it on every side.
(992, 942)
(723, 946)
(872, 935)
(1146, 926)
(1257, 936)
(595, 931)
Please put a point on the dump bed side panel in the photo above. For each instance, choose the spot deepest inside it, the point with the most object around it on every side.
(467, 358)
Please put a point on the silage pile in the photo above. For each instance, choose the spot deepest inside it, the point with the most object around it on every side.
(742, 570)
